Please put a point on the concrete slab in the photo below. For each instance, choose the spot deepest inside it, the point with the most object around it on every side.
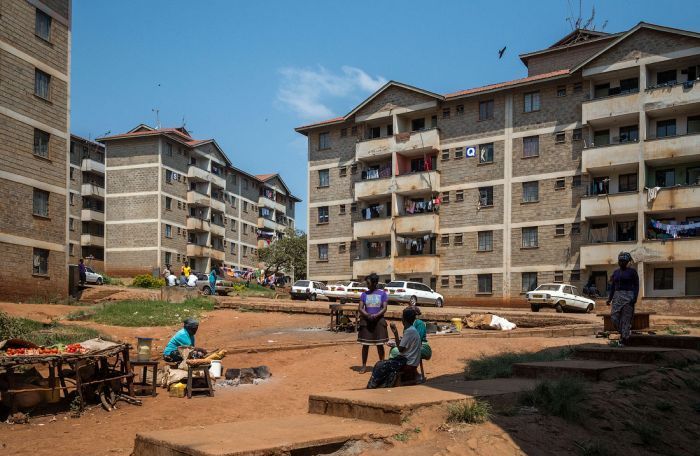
(661, 356)
(689, 342)
(392, 405)
(290, 435)
(589, 370)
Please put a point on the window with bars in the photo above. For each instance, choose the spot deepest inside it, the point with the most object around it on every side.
(445, 154)
(459, 280)
(558, 276)
(41, 143)
(529, 281)
(445, 281)
(41, 203)
(531, 146)
(531, 101)
(560, 183)
(459, 195)
(342, 171)
(458, 239)
(42, 25)
(459, 152)
(485, 283)
(559, 230)
(486, 153)
(485, 196)
(445, 197)
(531, 192)
(168, 203)
(168, 231)
(628, 182)
(341, 209)
(576, 134)
(445, 240)
(560, 138)
(486, 110)
(324, 141)
(485, 241)
(324, 179)
(42, 84)
(323, 214)
(576, 228)
(323, 252)
(575, 275)
(40, 262)
(529, 237)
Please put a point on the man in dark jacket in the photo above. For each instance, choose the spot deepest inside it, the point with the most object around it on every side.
(624, 291)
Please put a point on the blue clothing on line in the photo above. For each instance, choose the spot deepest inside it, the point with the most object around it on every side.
(181, 338)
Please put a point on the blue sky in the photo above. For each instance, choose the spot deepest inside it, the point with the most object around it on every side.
(247, 73)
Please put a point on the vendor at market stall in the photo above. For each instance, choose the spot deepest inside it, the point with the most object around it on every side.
(182, 338)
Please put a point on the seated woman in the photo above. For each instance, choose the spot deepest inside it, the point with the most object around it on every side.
(182, 338)
(385, 374)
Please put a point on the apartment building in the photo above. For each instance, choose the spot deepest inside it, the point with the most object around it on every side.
(35, 41)
(86, 205)
(486, 192)
(276, 206)
(171, 199)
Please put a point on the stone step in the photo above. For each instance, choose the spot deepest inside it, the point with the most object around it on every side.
(305, 434)
(689, 342)
(661, 356)
(586, 369)
(393, 405)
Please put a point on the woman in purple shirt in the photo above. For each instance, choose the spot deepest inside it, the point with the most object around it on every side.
(373, 328)
(623, 296)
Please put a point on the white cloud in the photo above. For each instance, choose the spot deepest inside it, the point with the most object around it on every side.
(307, 91)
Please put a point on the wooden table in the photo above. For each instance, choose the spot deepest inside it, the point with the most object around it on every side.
(143, 385)
(344, 317)
(640, 321)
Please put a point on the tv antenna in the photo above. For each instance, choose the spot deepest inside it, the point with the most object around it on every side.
(577, 21)
(157, 111)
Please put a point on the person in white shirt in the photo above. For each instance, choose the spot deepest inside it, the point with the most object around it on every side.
(172, 280)
(192, 281)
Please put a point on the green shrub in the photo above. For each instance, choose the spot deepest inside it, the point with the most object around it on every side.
(471, 412)
(501, 365)
(563, 397)
(148, 281)
(107, 280)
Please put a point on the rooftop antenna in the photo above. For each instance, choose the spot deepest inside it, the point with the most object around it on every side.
(157, 111)
(183, 122)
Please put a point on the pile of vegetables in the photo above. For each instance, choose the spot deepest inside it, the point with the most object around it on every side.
(52, 350)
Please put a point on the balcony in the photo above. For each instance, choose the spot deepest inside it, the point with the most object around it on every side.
(674, 96)
(218, 205)
(92, 240)
(413, 264)
(599, 110)
(672, 198)
(269, 224)
(606, 157)
(418, 182)
(605, 253)
(372, 228)
(93, 166)
(274, 205)
(682, 146)
(217, 230)
(605, 205)
(682, 249)
(88, 189)
(373, 187)
(196, 250)
(198, 199)
(197, 173)
(373, 148)
(197, 224)
(417, 141)
(380, 266)
(91, 215)
(418, 223)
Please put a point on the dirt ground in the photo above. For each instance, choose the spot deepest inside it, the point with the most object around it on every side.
(296, 374)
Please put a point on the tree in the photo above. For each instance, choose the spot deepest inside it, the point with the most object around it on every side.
(287, 254)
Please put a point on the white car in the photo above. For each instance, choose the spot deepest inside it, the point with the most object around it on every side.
(560, 296)
(308, 289)
(413, 293)
(345, 291)
(93, 277)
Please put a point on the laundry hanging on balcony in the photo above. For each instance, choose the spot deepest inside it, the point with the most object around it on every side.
(372, 212)
(675, 230)
(651, 193)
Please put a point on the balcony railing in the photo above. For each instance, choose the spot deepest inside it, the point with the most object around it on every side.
(364, 267)
(598, 157)
(415, 140)
(671, 147)
(598, 109)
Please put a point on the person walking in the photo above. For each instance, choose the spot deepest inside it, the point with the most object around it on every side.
(624, 291)
(83, 272)
(212, 281)
(372, 325)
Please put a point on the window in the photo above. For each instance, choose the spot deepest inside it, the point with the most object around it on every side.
(353, 207)
(560, 184)
(168, 231)
(342, 172)
(41, 144)
(324, 141)
(168, 203)
(445, 281)
(42, 82)
(458, 239)
(559, 277)
(531, 192)
(486, 153)
(418, 124)
(577, 134)
(559, 230)
(601, 138)
(168, 149)
(341, 209)
(531, 146)
(71, 224)
(485, 196)
(529, 281)
(446, 113)
(575, 275)
(459, 153)
(323, 214)
(629, 134)
(601, 90)
(71, 199)
(532, 101)
(445, 240)
(486, 110)
(561, 91)
(40, 262)
(445, 154)
(485, 241)
(628, 182)
(693, 124)
(576, 228)
(666, 128)
(323, 252)
(485, 283)
(667, 77)
(459, 195)
(42, 25)
(663, 278)
(459, 110)
(458, 280)
(630, 85)
(168, 258)
(341, 247)
(168, 176)
(665, 177)
(390, 130)
(233, 248)
(374, 132)
(245, 206)
(560, 138)
(627, 231)
(445, 197)
(576, 181)
(245, 228)
(578, 87)
(529, 237)
(324, 178)
(41, 203)
(353, 168)
(343, 132)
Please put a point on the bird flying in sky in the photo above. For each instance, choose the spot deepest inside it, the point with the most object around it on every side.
(501, 52)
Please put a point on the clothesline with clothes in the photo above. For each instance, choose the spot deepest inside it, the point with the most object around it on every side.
(674, 230)
(374, 211)
(421, 206)
(377, 172)
(416, 244)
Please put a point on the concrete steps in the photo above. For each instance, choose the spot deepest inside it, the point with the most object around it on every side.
(688, 342)
(661, 356)
(592, 370)
(295, 435)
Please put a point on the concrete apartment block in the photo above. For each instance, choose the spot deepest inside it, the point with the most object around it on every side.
(34, 167)
(172, 199)
(540, 179)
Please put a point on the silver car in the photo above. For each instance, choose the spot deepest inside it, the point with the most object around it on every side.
(560, 296)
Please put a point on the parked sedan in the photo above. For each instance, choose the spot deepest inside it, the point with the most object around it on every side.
(93, 277)
(560, 296)
(413, 293)
(222, 286)
(345, 291)
(308, 289)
